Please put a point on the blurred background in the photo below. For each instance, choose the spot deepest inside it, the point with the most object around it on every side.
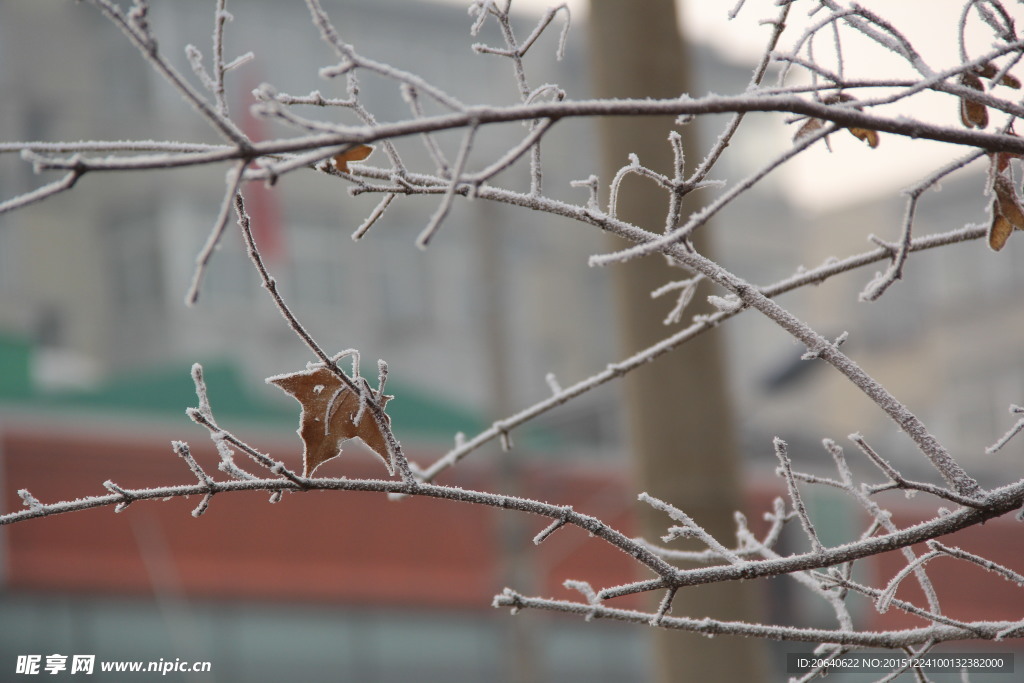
(96, 345)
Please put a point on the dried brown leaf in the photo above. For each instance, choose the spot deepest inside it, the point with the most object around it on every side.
(329, 409)
(1007, 213)
(1007, 202)
(989, 71)
(809, 127)
(972, 114)
(999, 231)
(1001, 160)
(836, 98)
(1010, 81)
(356, 153)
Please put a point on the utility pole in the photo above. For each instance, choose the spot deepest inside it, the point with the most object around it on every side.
(682, 437)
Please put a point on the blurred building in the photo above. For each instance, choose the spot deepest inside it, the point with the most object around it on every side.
(131, 255)
(96, 346)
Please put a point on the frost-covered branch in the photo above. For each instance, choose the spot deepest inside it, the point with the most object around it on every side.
(713, 627)
(975, 87)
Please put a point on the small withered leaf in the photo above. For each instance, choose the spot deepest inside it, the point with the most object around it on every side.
(836, 98)
(356, 153)
(329, 409)
(972, 114)
(1010, 81)
(988, 70)
(867, 135)
(1007, 203)
(1007, 213)
(999, 231)
(809, 127)
(1001, 160)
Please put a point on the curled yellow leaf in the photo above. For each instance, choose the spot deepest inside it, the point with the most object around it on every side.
(867, 135)
(354, 153)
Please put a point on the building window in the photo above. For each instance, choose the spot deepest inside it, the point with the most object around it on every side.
(135, 266)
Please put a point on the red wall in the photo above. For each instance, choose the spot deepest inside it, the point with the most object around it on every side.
(317, 546)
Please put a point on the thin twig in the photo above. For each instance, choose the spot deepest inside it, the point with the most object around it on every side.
(41, 193)
(446, 202)
(146, 44)
(233, 182)
(794, 495)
